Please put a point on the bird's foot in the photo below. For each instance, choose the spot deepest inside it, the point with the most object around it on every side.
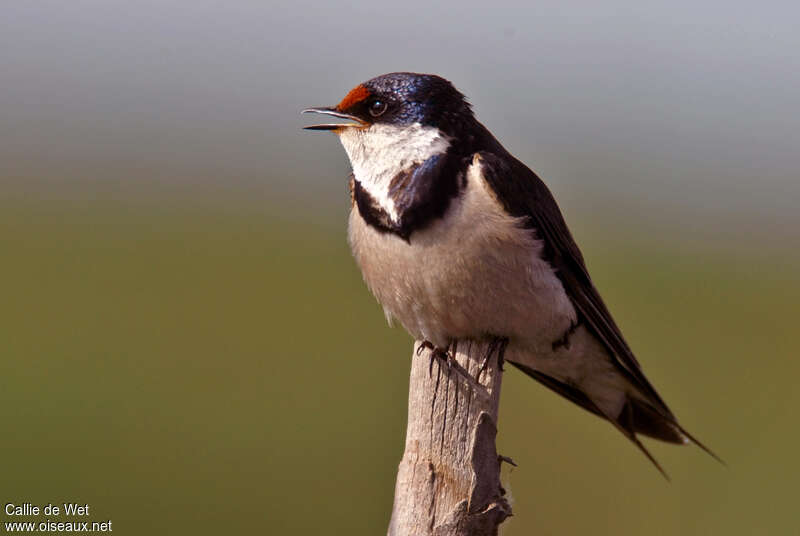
(446, 356)
(497, 344)
(436, 353)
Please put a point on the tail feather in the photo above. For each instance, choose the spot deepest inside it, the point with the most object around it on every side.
(624, 423)
(699, 444)
(648, 421)
(636, 417)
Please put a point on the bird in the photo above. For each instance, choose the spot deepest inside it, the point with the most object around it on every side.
(457, 239)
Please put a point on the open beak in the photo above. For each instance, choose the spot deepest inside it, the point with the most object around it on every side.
(333, 126)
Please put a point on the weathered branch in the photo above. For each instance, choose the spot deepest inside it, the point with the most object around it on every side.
(448, 482)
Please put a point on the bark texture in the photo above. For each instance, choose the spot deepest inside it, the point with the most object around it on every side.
(448, 482)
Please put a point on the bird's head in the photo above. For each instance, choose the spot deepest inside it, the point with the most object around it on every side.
(408, 138)
(400, 100)
(397, 121)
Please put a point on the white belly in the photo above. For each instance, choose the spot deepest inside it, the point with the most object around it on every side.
(475, 272)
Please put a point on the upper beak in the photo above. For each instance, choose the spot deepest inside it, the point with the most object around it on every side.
(334, 113)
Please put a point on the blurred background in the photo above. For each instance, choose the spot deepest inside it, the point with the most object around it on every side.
(188, 347)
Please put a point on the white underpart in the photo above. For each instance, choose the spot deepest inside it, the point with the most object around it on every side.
(378, 153)
(478, 271)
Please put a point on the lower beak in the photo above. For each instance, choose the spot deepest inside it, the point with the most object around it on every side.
(333, 126)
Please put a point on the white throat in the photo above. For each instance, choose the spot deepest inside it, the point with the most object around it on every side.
(378, 153)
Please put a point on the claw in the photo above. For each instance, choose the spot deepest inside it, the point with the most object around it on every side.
(485, 364)
(501, 353)
(424, 345)
(498, 344)
(448, 355)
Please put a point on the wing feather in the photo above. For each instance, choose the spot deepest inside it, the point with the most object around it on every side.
(524, 194)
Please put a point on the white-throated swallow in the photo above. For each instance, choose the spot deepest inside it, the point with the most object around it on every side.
(457, 239)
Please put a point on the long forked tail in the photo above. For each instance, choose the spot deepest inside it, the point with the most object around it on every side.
(648, 421)
(636, 417)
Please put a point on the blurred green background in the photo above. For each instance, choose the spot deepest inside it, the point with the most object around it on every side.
(188, 347)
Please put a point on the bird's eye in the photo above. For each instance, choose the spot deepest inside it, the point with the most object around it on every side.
(377, 107)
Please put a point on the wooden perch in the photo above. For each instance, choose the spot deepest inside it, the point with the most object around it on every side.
(448, 482)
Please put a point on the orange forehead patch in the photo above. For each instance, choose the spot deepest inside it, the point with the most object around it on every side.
(356, 95)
